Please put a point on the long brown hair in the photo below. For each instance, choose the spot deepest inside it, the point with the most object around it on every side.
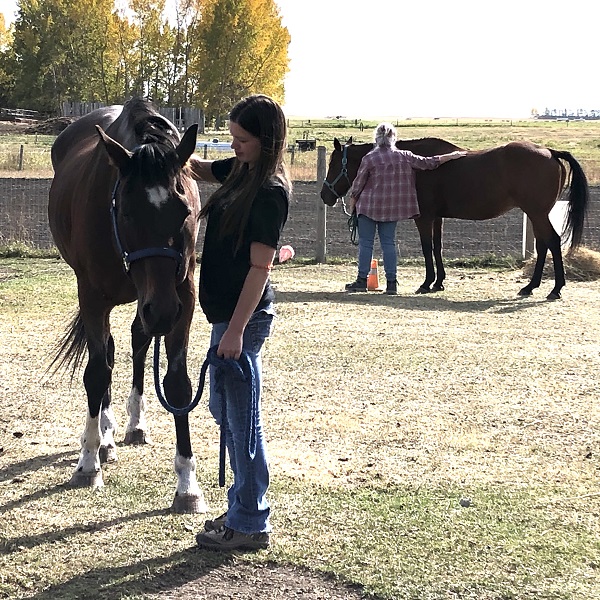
(263, 118)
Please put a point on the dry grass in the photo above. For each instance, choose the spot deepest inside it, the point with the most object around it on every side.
(582, 264)
(381, 412)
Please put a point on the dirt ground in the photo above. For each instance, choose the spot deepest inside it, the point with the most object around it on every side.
(10, 128)
(267, 582)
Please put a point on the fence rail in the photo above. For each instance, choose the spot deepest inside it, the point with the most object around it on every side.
(182, 116)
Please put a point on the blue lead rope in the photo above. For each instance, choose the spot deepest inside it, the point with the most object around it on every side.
(243, 370)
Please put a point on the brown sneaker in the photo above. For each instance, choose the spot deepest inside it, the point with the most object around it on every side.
(213, 525)
(226, 539)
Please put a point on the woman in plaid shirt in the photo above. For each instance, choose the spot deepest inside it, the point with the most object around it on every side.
(383, 193)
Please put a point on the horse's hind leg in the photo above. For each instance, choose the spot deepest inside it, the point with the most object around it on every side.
(108, 423)
(541, 249)
(438, 286)
(546, 237)
(425, 227)
(96, 379)
(559, 268)
(137, 428)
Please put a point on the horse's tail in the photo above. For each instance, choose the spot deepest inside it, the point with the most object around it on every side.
(71, 347)
(578, 199)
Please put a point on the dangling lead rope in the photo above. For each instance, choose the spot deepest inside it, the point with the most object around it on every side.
(243, 370)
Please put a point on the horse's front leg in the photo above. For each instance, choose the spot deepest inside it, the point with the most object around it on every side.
(438, 224)
(96, 379)
(425, 227)
(178, 391)
(137, 428)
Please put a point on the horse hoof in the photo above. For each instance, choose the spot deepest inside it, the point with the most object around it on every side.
(423, 290)
(438, 288)
(189, 503)
(107, 454)
(553, 296)
(524, 292)
(80, 479)
(136, 438)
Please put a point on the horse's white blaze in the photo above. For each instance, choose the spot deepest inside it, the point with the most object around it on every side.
(108, 427)
(157, 195)
(185, 469)
(136, 409)
(89, 460)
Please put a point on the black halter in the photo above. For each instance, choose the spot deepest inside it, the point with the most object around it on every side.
(129, 257)
(342, 173)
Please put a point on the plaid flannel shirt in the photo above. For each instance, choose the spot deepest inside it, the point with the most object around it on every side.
(384, 187)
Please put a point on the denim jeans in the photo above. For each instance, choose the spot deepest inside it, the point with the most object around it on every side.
(248, 510)
(366, 241)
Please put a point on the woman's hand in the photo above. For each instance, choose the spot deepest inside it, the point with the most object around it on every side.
(231, 344)
(453, 155)
(201, 168)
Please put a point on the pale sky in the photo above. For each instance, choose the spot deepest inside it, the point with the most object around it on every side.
(437, 58)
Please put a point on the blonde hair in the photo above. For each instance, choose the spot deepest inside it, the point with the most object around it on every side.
(385, 135)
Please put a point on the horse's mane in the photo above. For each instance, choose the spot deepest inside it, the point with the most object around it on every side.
(155, 139)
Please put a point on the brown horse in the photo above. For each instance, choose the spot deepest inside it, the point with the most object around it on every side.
(482, 185)
(123, 212)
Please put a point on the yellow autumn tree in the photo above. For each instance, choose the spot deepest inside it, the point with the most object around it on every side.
(240, 47)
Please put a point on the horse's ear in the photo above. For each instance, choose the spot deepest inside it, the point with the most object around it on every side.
(337, 145)
(119, 156)
(349, 141)
(188, 144)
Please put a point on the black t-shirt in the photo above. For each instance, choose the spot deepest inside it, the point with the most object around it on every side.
(222, 273)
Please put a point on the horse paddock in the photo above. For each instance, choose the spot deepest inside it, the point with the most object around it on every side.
(422, 446)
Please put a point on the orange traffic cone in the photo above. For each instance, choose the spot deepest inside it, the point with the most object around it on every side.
(373, 278)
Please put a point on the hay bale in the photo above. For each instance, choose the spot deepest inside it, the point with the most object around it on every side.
(582, 265)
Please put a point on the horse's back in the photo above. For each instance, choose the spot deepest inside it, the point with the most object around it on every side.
(427, 146)
(485, 184)
(81, 130)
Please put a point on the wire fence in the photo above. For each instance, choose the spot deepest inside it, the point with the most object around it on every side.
(24, 201)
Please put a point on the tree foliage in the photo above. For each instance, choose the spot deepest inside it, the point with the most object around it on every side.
(208, 54)
(241, 49)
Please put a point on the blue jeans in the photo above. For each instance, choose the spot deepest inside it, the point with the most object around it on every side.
(366, 241)
(248, 510)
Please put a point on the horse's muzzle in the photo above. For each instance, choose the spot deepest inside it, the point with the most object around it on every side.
(157, 321)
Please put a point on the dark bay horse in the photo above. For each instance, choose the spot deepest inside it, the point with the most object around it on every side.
(123, 211)
(482, 185)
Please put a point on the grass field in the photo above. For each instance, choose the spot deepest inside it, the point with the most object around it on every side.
(581, 138)
(422, 447)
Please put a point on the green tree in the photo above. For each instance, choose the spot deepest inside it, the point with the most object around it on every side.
(241, 48)
(153, 48)
(60, 52)
(187, 17)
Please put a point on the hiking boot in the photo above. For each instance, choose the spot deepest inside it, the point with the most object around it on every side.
(225, 539)
(213, 525)
(392, 287)
(360, 285)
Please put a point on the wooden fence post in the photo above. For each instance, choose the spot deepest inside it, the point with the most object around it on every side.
(321, 241)
(21, 150)
(528, 238)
